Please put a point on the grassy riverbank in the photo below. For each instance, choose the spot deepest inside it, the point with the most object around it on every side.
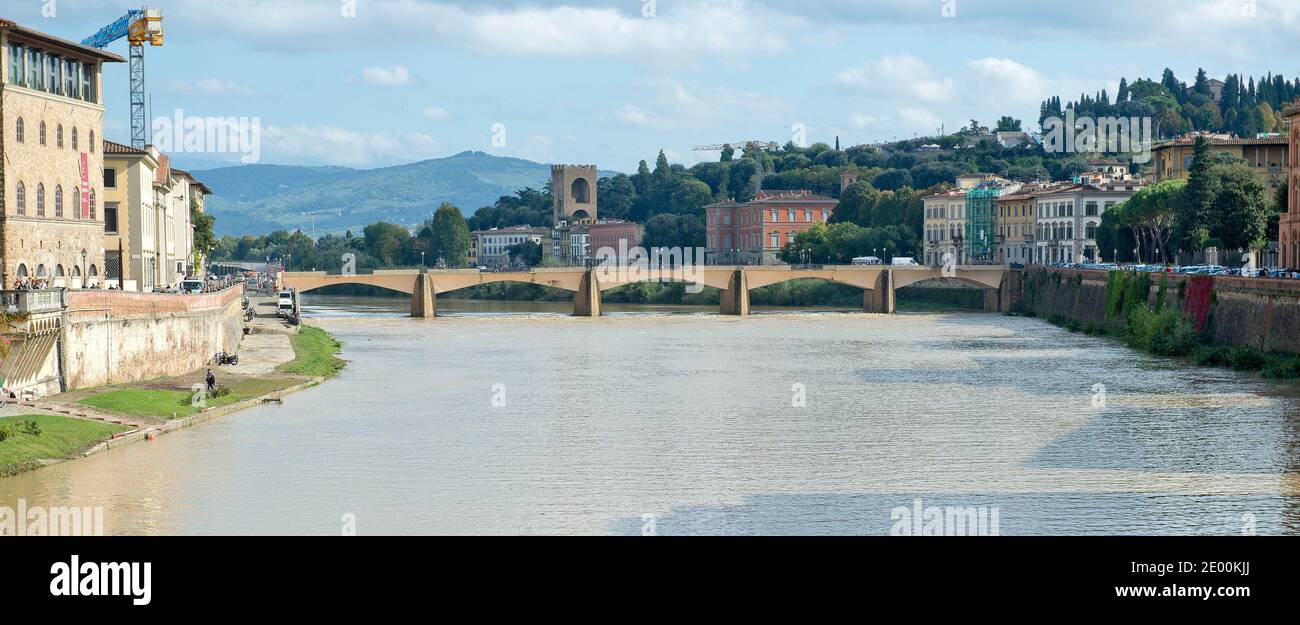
(315, 354)
(169, 403)
(1168, 333)
(60, 437)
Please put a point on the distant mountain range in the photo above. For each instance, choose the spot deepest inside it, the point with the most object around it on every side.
(257, 199)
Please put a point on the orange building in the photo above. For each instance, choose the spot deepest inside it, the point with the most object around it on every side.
(1288, 230)
(753, 233)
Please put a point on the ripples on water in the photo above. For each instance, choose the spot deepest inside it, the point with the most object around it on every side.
(687, 417)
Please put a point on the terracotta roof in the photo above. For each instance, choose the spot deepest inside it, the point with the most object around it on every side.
(46, 38)
(117, 148)
(185, 174)
(1292, 110)
(1184, 141)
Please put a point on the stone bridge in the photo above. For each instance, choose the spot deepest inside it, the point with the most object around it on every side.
(877, 282)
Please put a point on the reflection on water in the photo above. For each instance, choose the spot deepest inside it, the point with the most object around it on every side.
(537, 422)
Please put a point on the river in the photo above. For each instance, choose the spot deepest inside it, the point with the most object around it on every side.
(518, 419)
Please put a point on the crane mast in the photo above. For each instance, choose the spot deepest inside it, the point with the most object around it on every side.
(139, 27)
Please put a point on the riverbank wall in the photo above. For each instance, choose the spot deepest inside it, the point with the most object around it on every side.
(1263, 314)
(115, 337)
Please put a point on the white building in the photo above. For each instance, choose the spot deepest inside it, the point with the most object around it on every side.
(1068, 219)
(493, 246)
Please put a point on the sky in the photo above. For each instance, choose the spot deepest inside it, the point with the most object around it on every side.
(374, 83)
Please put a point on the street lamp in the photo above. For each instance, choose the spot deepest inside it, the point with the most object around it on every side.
(83, 268)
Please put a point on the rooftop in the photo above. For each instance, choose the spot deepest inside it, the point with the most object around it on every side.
(48, 39)
(1191, 140)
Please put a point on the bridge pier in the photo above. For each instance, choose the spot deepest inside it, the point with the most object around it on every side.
(880, 300)
(586, 302)
(735, 298)
(424, 299)
(992, 300)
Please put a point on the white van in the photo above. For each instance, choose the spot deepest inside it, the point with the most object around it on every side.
(906, 262)
(867, 260)
(191, 285)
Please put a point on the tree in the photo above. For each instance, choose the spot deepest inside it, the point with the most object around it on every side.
(386, 242)
(616, 194)
(448, 236)
(205, 240)
(690, 197)
(1008, 124)
(674, 231)
(1240, 208)
(893, 179)
(1193, 228)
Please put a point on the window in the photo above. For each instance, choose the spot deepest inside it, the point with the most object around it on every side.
(40, 199)
(110, 178)
(16, 53)
(58, 200)
(74, 139)
(807, 215)
(775, 217)
(776, 239)
(22, 199)
(792, 215)
(76, 203)
(58, 137)
(42, 133)
(92, 142)
(53, 75)
(20, 130)
(1091, 210)
(35, 70)
(92, 204)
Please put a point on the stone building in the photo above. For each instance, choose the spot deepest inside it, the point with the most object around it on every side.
(945, 226)
(573, 193)
(1289, 222)
(1068, 218)
(492, 247)
(51, 109)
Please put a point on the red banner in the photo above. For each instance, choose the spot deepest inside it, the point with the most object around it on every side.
(85, 186)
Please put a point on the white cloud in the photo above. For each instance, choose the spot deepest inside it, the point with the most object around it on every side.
(684, 29)
(395, 76)
(898, 73)
(917, 120)
(339, 146)
(210, 86)
(436, 113)
(862, 120)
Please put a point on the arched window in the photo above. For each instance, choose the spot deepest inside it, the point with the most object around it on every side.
(42, 133)
(92, 142)
(21, 130)
(58, 271)
(581, 191)
(74, 138)
(58, 137)
(92, 204)
(40, 199)
(58, 200)
(41, 272)
(22, 270)
(22, 199)
(76, 271)
(76, 203)
(93, 272)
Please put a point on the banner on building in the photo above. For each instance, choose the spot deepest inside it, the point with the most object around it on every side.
(85, 186)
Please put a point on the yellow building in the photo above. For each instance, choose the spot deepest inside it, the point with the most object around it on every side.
(148, 235)
(1268, 156)
(51, 226)
(1289, 222)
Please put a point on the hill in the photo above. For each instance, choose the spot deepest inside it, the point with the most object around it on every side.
(257, 199)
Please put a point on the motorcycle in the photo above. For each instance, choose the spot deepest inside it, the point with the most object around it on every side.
(223, 358)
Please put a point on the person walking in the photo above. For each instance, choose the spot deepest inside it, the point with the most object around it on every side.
(212, 381)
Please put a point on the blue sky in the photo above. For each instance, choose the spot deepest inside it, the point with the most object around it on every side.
(370, 83)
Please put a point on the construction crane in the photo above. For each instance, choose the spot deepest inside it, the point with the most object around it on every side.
(741, 145)
(139, 26)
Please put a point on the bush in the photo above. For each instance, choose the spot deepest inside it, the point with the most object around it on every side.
(1283, 369)
(1245, 359)
(1211, 356)
(1166, 333)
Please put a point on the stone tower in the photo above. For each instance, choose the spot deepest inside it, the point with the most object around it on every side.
(573, 189)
